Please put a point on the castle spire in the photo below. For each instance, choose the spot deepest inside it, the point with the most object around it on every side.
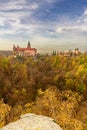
(28, 46)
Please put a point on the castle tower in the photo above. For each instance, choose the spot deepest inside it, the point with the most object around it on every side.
(28, 45)
(17, 46)
(14, 47)
(77, 51)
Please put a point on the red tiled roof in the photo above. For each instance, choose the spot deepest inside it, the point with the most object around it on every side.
(24, 49)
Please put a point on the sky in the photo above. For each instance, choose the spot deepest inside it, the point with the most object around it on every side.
(47, 24)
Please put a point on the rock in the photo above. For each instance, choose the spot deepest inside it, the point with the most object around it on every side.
(33, 122)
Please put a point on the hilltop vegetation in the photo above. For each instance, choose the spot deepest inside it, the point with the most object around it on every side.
(55, 86)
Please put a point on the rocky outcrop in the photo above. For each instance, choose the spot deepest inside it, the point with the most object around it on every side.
(33, 122)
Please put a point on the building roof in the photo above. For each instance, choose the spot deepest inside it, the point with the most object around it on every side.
(25, 49)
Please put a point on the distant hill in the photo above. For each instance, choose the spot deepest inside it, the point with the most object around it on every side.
(5, 53)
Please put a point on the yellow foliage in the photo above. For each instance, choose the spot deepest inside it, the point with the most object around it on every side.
(2, 123)
(4, 111)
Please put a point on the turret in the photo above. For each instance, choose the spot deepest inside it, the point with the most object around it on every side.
(17, 46)
(14, 47)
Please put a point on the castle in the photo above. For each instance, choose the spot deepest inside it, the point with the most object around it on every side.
(28, 51)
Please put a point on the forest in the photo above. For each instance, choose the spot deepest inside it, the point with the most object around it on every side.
(54, 86)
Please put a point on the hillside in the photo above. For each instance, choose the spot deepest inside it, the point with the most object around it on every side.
(54, 86)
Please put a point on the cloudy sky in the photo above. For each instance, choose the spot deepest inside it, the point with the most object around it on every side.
(48, 24)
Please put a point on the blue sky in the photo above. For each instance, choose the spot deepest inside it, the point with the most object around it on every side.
(48, 24)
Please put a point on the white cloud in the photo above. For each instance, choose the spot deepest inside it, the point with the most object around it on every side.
(11, 23)
(52, 1)
(34, 6)
(10, 5)
(73, 28)
(85, 12)
(19, 23)
(18, 5)
(78, 25)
